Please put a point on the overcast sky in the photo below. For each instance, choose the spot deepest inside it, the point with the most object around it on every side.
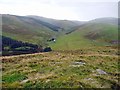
(61, 9)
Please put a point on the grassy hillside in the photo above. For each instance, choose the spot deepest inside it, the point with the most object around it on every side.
(90, 34)
(65, 25)
(34, 29)
(106, 20)
(69, 34)
(84, 56)
(25, 29)
(85, 68)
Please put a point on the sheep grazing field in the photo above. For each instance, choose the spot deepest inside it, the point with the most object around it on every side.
(84, 68)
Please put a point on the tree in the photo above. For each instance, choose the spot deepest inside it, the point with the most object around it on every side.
(47, 49)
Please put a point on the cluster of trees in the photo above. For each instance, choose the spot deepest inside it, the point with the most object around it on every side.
(11, 47)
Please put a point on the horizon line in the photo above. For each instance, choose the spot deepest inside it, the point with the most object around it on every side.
(58, 19)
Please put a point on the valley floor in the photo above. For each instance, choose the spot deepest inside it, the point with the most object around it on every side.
(84, 68)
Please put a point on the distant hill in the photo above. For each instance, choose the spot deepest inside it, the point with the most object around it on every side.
(98, 32)
(25, 29)
(33, 29)
(107, 20)
(64, 25)
(68, 34)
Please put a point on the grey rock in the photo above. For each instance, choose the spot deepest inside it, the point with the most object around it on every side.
(24, 81)
(101, 71)
(79, 63)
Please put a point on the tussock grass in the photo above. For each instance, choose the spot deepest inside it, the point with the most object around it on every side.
(55, 69)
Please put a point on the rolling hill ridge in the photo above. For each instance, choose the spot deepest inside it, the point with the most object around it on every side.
(91, 34)
(30, 29)
(69, 34)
